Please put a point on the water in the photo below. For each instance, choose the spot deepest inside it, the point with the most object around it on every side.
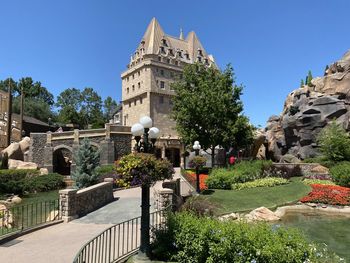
(321, 228)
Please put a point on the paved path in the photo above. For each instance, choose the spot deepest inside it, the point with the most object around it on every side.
(60, 243)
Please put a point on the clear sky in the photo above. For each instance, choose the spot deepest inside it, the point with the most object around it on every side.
(87, 43)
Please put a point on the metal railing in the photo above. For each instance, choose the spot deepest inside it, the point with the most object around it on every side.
(22, 217)
(118, 241)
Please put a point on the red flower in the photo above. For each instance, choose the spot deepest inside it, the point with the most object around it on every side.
(328, 194)
(202, 178)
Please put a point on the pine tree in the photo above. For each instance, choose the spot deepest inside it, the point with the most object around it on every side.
(87, 160)
(302, 83)
(309, 78)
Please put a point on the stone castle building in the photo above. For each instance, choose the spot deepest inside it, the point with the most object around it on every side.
(157, 62)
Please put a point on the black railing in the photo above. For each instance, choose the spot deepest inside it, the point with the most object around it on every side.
(23, 217)
(118, 241)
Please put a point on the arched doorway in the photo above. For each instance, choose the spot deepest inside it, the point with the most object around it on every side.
(62, 160)
(173, 155)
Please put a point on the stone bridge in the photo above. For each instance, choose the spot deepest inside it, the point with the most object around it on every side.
(55, 151)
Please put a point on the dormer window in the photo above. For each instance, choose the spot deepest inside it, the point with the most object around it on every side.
(171, 52)
(200, 53)
(162, 49)
(187, 55)
(164, 42)
(179, 53)
(199, 59)
(206, 61)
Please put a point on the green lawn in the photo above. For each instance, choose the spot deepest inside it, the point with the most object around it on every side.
(230, 201)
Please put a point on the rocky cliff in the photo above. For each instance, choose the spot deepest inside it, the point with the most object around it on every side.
(309, 109)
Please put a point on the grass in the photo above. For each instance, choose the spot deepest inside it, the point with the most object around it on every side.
(243, 200)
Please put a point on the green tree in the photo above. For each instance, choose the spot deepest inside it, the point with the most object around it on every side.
(309, 78)
(109, 106)
(302, 83)
(87, 161)
(69, 104)
(334, 142)
(207, 108)
(91, 109)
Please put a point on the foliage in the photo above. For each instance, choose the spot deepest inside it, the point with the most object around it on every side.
(191, 177)
(197, 161)
(142, 169)
(309, 78)
(293, 110)
(334, 142)
(321, 160)
(87, 160)
(44, 183)
(13, 181)
(4, 161)
(37, 99)
(207, 91)
(328, 194)
(341, 174)
(242, 172)
(318, 181)
(264, 182)
(206, 240)
(80, 107)
(110, 106)
(302, 83)
(251, 198)
(199, 206)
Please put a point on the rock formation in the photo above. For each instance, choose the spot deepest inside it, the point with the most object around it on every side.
(307, 110)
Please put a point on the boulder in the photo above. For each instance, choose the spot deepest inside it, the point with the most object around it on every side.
(6, 217)
(289, 158)
(17, 164)
(262, 214)
(14, 151)
(319, 169)
(307, 110)
(44, 171)
(24, 144)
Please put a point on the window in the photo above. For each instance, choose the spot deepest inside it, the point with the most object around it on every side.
(127, 79)
(162, 72)
(139, 85)
(135, 102)
(125, 117)
(168, 60)
(157, 82)
(129, 104)
(140, 100)
(161, 99)
(133, 76)
(176, 63)
(127, 90)
(162, 85)
(138, 73)
(133, 87)
(159, 59)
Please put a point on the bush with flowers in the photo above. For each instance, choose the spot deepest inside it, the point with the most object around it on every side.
(192, 178)
(142, 169)
(328, 194)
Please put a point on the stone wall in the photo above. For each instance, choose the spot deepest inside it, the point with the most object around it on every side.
(76, 203)
(37, 145)
(122, 144)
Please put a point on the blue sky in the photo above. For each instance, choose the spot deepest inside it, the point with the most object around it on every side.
(271, 44)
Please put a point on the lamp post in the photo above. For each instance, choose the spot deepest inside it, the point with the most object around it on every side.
(145, 136)
(196, 147)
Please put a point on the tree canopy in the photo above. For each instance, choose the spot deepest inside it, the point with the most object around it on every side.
(207, 107)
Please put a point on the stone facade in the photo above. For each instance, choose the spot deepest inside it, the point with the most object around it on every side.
(57, 149)
(76, 203)
(146, 84)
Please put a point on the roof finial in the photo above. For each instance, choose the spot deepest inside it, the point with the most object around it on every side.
(181, 34)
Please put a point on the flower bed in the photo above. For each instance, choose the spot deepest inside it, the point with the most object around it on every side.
(191, 178)
(328, 194)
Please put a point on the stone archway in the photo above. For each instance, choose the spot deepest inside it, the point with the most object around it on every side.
(62, 158)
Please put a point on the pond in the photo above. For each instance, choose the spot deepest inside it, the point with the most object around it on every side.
(332, 230)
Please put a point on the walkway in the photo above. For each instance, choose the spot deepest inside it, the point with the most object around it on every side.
(60, 243)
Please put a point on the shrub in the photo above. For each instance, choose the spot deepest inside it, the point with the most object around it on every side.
(87, 160)
(264, 182)
(334, 142)
(317, 181)
(188, 238)
(142, 169)
(191, 177)
(321, 160)
(220, 178)
(199, 206)
(341, 174)
(13, 181)
(328, 194)
(43, 183)
(197, 162)
(244, 171)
